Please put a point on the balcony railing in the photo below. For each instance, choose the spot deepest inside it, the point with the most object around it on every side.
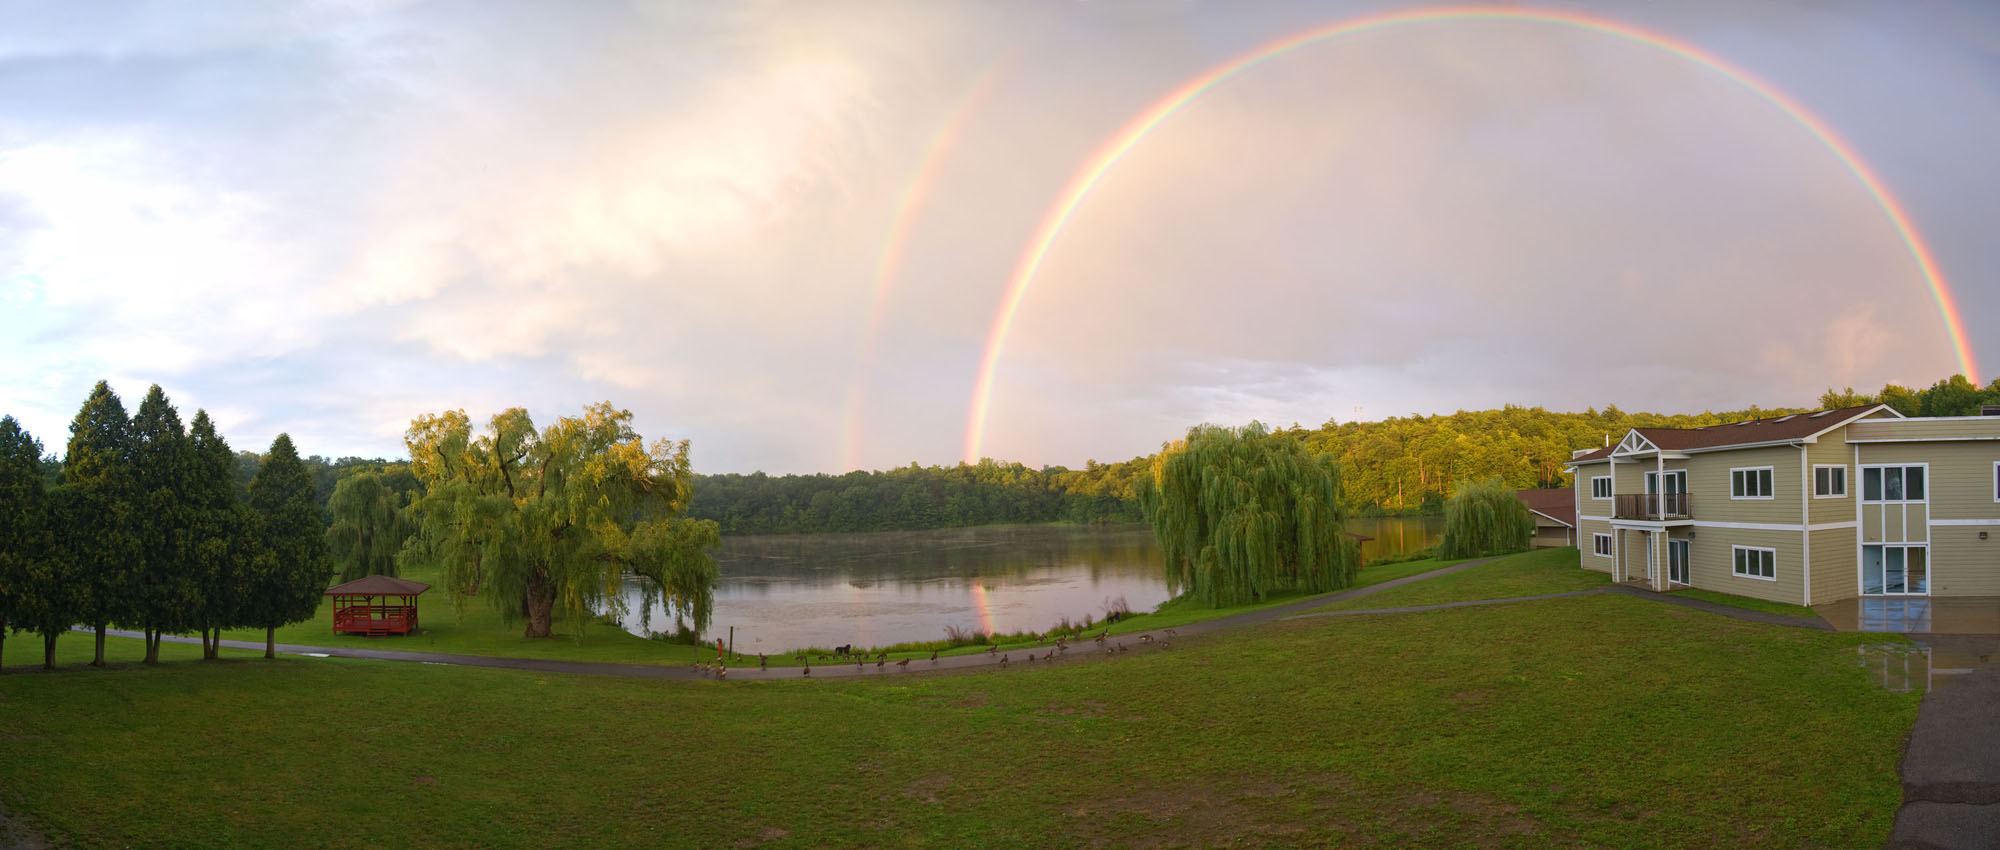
(1656, 506)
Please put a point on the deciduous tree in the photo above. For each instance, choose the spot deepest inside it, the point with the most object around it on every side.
(547, 525)
(1242, 513)
(1485, 517)
(369, 527)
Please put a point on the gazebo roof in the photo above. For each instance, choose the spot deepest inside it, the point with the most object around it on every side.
(378, 586)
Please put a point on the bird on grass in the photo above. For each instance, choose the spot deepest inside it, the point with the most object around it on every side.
(905, 663)
(1031, 656)
(992, 648)
(721, 672)
(933, 656)
(879, 662)
(883, 657)
(1003, 659)
(1146, 638)
(1171, 633)
(809, 671)
(761, 663)
(1052, 654)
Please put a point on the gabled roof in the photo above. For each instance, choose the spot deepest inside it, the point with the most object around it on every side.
(378, 586)
(1749, 432)
(1556, 503)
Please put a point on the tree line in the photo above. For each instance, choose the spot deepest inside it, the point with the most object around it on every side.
(142, 525)
(917, 497)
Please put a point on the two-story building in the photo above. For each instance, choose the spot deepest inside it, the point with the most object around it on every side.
(1805, 509)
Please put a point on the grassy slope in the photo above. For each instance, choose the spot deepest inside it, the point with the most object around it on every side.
(1525, 574)
(1601, 720)
(1747, 602)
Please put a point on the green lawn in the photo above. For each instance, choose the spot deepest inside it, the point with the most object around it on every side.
(1524, 574)
(1747, 602)
(1579, 722)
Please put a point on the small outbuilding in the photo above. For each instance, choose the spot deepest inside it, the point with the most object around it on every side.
(1554, 510)
(376, 605)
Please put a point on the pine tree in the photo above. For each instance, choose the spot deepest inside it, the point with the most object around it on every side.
(27, 594)
(288, 576)
(97, 512)
(164, 591)
(221, 542)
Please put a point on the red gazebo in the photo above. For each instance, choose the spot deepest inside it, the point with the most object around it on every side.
(376, 605)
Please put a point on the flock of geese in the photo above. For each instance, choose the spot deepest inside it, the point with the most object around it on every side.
(1060, 649)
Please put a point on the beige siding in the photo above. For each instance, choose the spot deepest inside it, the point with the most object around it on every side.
(1585, 553)
(1832, 450)
(1964, 565)
(1708, 480)
(1711, 562)
(1958, 428)
(1960, 481)
(1835, 565)
(1585, 505)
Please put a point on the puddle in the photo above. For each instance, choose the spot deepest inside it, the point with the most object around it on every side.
(1899, 668)
(315, 655)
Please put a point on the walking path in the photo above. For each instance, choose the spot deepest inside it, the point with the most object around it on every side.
(1951, 768)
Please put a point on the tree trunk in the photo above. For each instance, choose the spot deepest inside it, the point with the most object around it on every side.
(152, 646)
(541, 601)
(49, 650)
(270, 641)
(99, 661)
(3, 647)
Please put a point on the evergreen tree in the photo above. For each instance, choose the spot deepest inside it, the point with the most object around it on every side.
(221, 542)
(288, 576)
(1242, 514)
(1485, 517)
(97, 516)
(165, 591)
(26, 548)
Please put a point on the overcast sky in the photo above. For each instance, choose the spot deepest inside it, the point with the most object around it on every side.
(327, 218)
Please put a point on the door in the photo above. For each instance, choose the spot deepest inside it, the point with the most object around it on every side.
(1895, 570)
(1670, 495)
(1652, 560)
(1677, 562)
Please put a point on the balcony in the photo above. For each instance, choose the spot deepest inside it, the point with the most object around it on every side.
(1653, 506)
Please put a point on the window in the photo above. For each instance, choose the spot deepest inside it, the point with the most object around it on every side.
(1829, 482)
(1903, 483)
(1601, 544)
(1750, 483)
(1677, 481)
(1600, 487)
(1895, 570)
(1752, 562)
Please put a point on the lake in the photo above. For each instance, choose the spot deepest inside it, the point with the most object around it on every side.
(786, 591)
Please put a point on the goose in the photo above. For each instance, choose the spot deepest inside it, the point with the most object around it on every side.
(905, 663)
(722, 672)
(809, 671)
(1171, 633)
(1003, 659)
(992, 648)
(879, 662)
(1146, 638)
(1052, 654)
(933, 656)
(761, 663)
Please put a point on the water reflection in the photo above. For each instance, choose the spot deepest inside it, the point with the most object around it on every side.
(781, 592)
(1899, 668)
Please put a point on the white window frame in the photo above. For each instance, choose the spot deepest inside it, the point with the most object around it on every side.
(1771, 471)
(1843, 480)
(1736, 565)
(1600, 538)
(1925, 466)
(1996, 482)
(1654, 481)
(1607, 486)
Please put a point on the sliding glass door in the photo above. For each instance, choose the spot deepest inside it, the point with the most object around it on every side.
(1895, 570)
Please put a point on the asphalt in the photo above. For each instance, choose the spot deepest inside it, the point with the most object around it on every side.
(1951, 767)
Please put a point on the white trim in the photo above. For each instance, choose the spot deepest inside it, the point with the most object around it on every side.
(1930, 570)
(1760, 577)
(1775, 526)
(1746, 479)
(1922, 439)
(1556, 520)
(1634, 443)
(1996, 482)
(1860, 539)
(1788, 441)
(1607, 487)
(1861, 471)
(1808, 489)
(1607, 545)
(1965, 522)
(1815, 479)
(1581, 517)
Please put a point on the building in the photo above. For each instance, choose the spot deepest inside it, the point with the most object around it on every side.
(1554, 510)
(1805, 509)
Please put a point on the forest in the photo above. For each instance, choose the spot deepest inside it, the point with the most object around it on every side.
(1399, 465)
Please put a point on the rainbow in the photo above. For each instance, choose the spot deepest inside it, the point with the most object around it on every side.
(981, 607)
(888, 264)
(1120, 143)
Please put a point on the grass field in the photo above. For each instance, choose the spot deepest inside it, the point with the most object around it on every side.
(1591, 721)
(1525, 574)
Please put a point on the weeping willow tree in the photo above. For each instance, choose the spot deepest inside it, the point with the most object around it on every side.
(369, 526)
(547, 525)
(1242, 514)
(1485, 517)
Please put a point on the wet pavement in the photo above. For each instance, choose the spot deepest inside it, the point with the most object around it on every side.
(1956, 615)
(1951, 767)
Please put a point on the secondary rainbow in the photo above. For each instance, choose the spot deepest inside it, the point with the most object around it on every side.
(1114, 149)
(889, 264)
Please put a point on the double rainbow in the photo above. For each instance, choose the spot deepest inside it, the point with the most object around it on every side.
(1114, 149)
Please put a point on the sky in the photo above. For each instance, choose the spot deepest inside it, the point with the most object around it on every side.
(784, 230)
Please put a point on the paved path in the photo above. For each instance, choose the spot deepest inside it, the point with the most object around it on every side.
(1951, 768)
(1767, 618)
